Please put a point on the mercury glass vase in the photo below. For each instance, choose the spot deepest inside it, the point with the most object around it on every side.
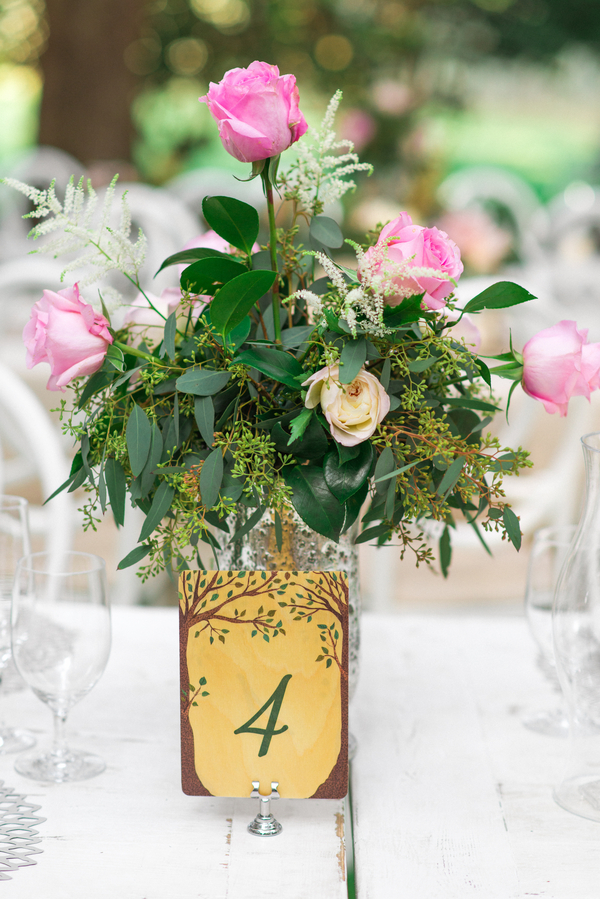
(576, 631)
(302, 549)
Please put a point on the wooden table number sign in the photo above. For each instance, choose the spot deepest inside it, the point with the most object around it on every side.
(264, 683)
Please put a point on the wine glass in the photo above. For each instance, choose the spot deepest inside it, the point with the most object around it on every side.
(14, 543)
(61, 641)
(548, 553)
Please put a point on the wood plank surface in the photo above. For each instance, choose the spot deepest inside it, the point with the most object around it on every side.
(451, 793)
(131, 833)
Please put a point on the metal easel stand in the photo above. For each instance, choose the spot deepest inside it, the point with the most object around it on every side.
(265, 825)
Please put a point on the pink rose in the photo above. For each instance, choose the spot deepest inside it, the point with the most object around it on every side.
(352, 410)
(559, 363)
(257, 111)
(403, 246)
(67, 333)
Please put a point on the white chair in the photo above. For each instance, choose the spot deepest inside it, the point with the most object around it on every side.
(31, 449)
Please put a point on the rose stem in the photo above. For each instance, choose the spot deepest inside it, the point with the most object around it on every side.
(268, 186)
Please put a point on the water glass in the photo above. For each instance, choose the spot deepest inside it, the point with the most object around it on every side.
(61, 636)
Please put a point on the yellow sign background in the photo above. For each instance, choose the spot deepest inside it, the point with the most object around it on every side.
(242, 671)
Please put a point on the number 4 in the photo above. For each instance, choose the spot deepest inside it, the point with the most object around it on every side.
(269, 731)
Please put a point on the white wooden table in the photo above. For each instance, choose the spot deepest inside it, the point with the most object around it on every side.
(451, 794)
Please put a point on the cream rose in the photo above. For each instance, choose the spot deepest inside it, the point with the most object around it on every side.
(352, 410)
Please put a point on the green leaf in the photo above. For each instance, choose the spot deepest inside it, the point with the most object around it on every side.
(354, 505)
(407, 312)
(452, 475)
(352, 359)
(385, 465)
(202, 381)
(204, 413)
(312, 445)
(239, 334)
(344, 480)
(467, 403)
(373, 533)
(250, 523)
(327, 232)
(292, 338)
(420, 365)
(278, 532)
(138, 434)
(445, 551)
(313, 500)
(159, 508)
(299, 424)
(385, 374)
(116, 485)
(207, 275)
(136, 555)
(499, 296)
(168, 344)
(211, 477)
(96, 383)
(276, 364)
(233, 220)
(513, 529)
(148, 475)
(234, 300)
(188, 256)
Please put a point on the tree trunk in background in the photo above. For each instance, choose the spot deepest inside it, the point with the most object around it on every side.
(87, 87)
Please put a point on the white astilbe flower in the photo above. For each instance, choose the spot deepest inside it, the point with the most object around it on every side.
(319, 174)
(314, 300)
(78, 227)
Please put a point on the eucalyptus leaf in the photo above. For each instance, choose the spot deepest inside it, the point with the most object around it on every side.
(136, 555)
(211, 477)
(138, 435)
(385, 465)
(352, 359)
(326, 231)
(168, 344)
(204, 413)
(202, 381)
(148, 475)
(513, 529)
(116, 485)
(159, 508)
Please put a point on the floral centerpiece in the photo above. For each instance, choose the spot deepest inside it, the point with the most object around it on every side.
(280, 375)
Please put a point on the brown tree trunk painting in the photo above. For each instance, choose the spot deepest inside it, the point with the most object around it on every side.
(87, 87)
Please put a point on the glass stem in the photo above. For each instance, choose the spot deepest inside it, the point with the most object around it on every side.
(59, 745)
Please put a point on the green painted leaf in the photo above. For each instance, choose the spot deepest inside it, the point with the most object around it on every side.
(202, 381)
(204, 413)
(499, 296)
(344, 480)
(327, 232)
(207, 275)
(276, 364)
(352, 359)
(211, 477)
(159, 508)
(233, 302)
(513, 529)
(136, 555)
(138, 434)
(116, 485)
(313, 500)
(233, 220)
(188, 256)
